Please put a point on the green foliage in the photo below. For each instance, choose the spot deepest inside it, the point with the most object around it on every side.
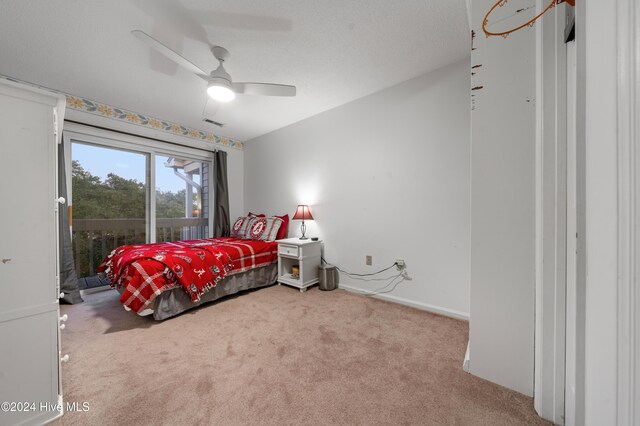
(119, 198)
(169, 204)
(115, 198)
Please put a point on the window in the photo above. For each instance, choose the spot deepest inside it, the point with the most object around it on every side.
(109, 189)
(127, 190)
(182, 199)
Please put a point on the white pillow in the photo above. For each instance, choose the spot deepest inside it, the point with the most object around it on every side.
(240, 226)
(262, 228)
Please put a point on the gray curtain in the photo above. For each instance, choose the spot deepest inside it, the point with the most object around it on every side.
(68, 277)
(221, 220)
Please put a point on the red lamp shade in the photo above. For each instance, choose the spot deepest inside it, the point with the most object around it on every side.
(302, 213)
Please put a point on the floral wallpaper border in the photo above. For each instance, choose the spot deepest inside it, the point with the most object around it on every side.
(93, 107)
(104, 110)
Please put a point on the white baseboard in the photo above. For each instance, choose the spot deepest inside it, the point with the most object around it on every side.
(418, 305)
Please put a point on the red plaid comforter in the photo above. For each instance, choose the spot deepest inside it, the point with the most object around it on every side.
(144, 271)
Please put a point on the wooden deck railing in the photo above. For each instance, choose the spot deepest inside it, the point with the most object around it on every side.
(94, 239)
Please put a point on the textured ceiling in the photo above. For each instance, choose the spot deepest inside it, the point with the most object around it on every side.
(334, 51)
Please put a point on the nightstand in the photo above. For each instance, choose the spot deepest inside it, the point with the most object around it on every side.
(302, 253)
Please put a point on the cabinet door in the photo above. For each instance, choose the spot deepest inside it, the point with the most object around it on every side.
(29, 357)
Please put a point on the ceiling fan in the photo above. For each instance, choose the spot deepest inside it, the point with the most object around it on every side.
(220, 85)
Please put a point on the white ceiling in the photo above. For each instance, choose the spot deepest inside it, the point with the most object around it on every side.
(334, 51)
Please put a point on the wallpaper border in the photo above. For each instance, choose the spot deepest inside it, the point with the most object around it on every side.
(120, 114)
(92, 107)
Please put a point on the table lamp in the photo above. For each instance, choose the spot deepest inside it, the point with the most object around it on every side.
(302, 213)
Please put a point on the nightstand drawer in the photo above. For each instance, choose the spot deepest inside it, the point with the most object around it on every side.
(288, 250)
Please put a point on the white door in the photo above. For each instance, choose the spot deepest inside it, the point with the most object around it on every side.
(572, 215)
(29, 358)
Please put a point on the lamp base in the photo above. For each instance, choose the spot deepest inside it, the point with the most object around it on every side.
(303, 228)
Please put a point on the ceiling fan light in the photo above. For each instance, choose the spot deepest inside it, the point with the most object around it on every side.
(220, 92)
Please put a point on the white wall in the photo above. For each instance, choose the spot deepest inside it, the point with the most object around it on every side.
(502, 206)
(386, 175)
(601, 214)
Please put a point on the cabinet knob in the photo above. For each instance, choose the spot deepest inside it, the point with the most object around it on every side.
(63, 326)
(65, 358)
(64, 317)
(60, 200)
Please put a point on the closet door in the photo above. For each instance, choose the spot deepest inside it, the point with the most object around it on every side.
(29, 348)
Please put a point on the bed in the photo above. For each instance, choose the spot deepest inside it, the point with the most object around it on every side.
(166, 279)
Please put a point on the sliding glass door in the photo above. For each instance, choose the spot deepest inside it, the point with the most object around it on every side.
(182, 198)
(134, 191)
(110, 192)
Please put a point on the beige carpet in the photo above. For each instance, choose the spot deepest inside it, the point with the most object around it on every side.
(276, 356)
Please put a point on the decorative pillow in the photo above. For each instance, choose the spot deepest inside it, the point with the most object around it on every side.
(239, 228)
(284, 228)
(264, 229)
(256, 215)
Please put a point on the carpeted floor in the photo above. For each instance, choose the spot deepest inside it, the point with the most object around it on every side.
(276, 356)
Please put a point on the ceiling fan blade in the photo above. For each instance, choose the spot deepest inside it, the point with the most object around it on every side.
(161, 48)
(264, 89)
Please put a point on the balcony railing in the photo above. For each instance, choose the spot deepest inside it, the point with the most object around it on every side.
(94, 239)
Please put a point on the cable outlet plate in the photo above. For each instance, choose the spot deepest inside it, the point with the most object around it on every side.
(400, 264)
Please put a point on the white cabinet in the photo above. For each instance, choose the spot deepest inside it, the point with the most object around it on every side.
(301, 254)
(29, 334)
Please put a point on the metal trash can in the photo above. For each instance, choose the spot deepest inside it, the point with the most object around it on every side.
(328, 275)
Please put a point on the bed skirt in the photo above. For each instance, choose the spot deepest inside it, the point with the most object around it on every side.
(175, 301)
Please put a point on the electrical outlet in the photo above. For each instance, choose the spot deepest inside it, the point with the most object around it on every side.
(400, 264)
(369, 260)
